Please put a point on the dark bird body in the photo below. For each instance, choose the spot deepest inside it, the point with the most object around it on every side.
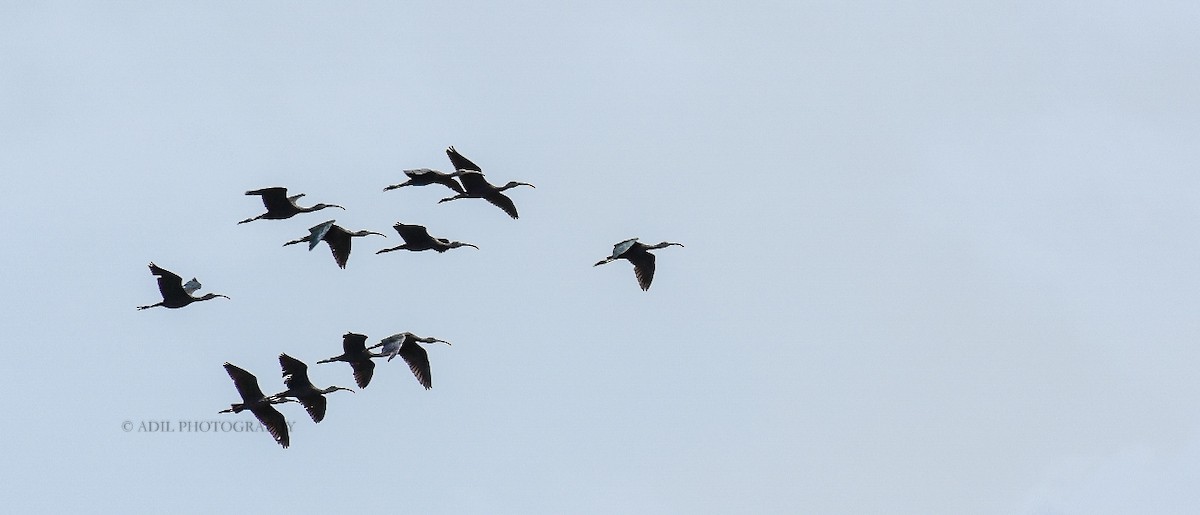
(258, 404)
(425, 177)
(637, 253)
(354, 347)
(417, 238)
(174, 294)
(405, 345)
(280, 206)
(334, 235)
(475, 186)
(295, 376)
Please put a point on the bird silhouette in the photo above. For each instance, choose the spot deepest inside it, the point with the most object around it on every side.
(354, 347)
(478, 187)
(295, 376)
(417, 238)
(258, 404)
(337, 238)
(280, 206)
(638, 254)
(405, 345)
(475, 186)
(175, 294)
(425, 177)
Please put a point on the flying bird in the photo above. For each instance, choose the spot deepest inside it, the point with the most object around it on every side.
(337, 238)
(258, 404)
(405, 345)
(425, 177)
(475, 186)
(295, 376)
(280, 206)
(175, 294)
(354, 347)
(638, 254)
(478, 187)
(417, 238)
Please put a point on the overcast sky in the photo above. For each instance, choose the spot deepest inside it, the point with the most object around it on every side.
(940, 258)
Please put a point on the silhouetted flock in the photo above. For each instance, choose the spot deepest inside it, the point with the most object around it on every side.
(467, 181)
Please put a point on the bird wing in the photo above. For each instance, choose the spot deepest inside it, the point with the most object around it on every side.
(423, 176)
(317, 232)
(363, 370)
(315, 406)
(620, 248)
(474, 182)
(412, 233)
(169, 284)
(354, 343)
(502, 201)
(418, 362)
(339, 243)
(295, 372)
(460, 162)
(246, 383)
(273, 198)
(273, 420)
(191, 286)
(420, 173)
(643, 268)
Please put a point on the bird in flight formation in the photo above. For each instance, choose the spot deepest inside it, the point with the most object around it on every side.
(258, 404)
(416, 238)
(280, 206)
(405, 345)
(337, 238)
(467, 181)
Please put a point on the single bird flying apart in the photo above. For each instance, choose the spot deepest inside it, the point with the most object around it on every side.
(280, 206)
(637, 253)
(174, 292)
(337, 238)
(417, 238)
(258, 404)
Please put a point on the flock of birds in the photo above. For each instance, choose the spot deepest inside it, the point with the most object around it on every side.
(467, 181)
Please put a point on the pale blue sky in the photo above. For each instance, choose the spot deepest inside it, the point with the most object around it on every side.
(940, 258)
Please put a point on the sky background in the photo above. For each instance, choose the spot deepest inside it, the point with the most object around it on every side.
(940, 258)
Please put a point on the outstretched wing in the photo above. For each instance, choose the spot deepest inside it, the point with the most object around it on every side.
(273, 199)
(418, 362)
(643, 268)
(460, 162)
(295, 372)
(315, 406)
(354, 343)
(412, 233)
(363, 371)
(169, 284)
(273, 420)
(620, 248)
(245, 382)
(339, 243)
(317, 232)
(502, 201)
